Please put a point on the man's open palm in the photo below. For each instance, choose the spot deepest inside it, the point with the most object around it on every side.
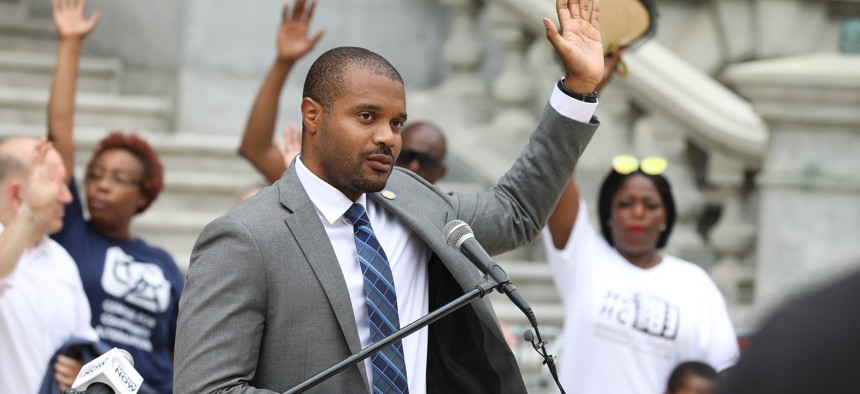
(579, 44)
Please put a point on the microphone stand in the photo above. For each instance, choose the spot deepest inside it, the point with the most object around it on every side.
(479, 291)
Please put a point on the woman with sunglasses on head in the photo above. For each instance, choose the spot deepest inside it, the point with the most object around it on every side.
(632, 313)
(133, 288)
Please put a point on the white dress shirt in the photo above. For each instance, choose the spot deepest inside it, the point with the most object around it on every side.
(407, 254)
(43, 305)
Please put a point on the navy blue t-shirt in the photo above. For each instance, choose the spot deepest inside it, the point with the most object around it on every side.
(133, 290)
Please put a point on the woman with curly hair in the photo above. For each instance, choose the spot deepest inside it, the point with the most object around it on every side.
(133, 288)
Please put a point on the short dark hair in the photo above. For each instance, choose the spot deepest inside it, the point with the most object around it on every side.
(613, 182)
(696, 368)
(153, 172)
(327, 74)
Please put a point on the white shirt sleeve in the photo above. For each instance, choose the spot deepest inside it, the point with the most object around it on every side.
(572, 108)
(566, 262)
(721, 348)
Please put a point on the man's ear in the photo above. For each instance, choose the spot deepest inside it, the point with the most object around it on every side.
(312, 113)
(13, 193)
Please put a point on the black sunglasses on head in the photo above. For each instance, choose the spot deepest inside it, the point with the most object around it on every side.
(427, 161)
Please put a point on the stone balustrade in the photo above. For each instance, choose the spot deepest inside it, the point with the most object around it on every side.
(664, 107)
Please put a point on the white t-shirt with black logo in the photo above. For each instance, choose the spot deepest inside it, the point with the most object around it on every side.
(626, 328)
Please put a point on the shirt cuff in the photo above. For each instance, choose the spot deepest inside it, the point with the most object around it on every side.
(572, 108)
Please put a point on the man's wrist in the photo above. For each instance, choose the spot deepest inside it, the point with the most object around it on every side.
(72, 39)
(285, 62)
(585, 97)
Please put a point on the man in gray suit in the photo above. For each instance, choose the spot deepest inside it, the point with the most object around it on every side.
(277, 288)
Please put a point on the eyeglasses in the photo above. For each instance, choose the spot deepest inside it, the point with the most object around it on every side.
(427, 161)
(116, 178)
(627, 164)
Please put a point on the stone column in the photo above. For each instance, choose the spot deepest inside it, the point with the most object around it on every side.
(514, 87)
(734, 234)
(463, 50)
(809, 211)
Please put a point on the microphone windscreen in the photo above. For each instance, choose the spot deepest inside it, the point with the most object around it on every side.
(127, 356)
(454, 232)
(529, 336)
(99, 388)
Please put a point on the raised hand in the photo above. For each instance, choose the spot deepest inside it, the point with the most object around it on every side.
(44, 183)
(292, 145)
(578, 45)
(69, 18)
(293, 41)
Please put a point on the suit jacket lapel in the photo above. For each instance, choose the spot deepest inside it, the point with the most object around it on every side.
(305, 225)
(430, 231)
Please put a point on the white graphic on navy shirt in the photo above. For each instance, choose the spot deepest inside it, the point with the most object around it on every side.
(138, 283)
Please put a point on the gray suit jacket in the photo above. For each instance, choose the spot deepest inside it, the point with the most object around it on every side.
(266, 307)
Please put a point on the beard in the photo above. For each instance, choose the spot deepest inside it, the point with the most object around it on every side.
(346, 170)
(360, 180)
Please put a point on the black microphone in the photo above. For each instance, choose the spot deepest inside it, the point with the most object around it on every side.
(460, 236)
(95, 388)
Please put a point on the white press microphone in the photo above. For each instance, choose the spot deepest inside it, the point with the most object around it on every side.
(113, 371)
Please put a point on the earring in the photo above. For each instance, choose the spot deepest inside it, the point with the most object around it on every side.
(662, 227)
(621, 69)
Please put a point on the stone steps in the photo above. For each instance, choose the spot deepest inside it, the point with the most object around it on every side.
(10, 9)
(184, 152)
(20, 68)
(28, 34)
(28, 106)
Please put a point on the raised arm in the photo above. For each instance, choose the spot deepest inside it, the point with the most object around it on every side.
(293, 43)
(518, 207)
(72, 27)
(561, 221)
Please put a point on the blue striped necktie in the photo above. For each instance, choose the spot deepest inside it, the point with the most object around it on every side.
(389, 368)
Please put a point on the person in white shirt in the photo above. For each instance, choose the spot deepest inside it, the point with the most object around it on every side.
(42, 301)
(632, 313)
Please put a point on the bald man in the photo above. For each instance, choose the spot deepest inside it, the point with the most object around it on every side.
(423, 151)
(42, 301)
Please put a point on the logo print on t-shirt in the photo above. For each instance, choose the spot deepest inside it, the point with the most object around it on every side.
(138, 283)
(646, 313)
